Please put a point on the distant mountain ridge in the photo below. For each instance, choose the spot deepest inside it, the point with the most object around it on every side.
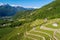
(8, 10)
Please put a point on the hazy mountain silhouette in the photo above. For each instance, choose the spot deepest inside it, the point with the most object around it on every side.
(8, 10)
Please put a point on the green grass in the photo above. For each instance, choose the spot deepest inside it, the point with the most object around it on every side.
(51, 26)
(37, 22)
(26, 38)
(13, 33)
(35, 37)
(5, 31)
(46, 31)
(41, 34)
(57, 35)
(17, 37)
(50, 23)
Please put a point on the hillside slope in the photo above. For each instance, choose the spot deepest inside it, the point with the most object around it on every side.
(39, 24)
(49, 11)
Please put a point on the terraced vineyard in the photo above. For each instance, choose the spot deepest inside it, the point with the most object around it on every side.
(44, 31)
(39, 31)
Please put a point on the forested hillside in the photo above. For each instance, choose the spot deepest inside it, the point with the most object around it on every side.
(49, 11)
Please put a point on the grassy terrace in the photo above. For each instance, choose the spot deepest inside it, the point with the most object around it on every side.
(57, 35)
(50, 23)
(47, 32)
(36, 30)
(34, 37)
(41, 34)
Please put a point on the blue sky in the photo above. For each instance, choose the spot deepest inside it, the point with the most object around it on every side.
(27, 3)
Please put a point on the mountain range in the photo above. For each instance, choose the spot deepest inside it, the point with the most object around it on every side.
(8, 10)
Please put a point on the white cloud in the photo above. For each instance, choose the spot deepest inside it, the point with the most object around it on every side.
(14, 5)
(31, 7)
(10, 4)
(36, 7)
(1, 4)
